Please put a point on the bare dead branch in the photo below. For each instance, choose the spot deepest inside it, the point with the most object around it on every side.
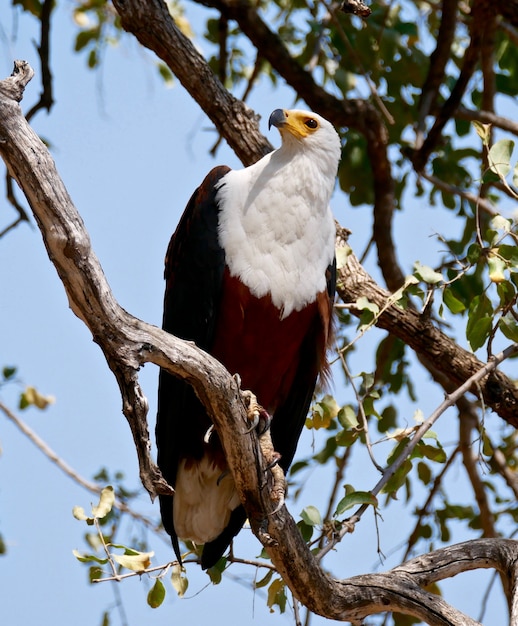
(128, 343)
(68, 470)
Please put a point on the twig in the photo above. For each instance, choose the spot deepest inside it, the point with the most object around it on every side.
(485, 205)
(423, 511)
(149, 570)
(116, 575)
(351, 50)
(64, 467)
(487, 117)
(361, 413)
(449, 401)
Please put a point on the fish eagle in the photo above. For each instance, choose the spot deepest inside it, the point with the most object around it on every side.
(250, 278)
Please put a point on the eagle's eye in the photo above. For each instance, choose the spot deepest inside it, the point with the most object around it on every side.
(311, 123)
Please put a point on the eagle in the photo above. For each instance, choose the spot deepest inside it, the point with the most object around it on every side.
(250, 278)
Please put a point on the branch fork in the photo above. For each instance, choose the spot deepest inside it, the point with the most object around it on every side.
(128, 343)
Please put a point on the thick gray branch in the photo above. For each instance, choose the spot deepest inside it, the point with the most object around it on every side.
(128, 343)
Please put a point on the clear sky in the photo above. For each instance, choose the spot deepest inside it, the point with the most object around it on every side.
(130, 152)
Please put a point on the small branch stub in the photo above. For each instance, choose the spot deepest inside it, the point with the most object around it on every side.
(14, 86)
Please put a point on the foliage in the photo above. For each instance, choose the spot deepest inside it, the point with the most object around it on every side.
(471, 292)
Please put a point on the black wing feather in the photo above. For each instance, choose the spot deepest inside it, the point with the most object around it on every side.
(193, 271)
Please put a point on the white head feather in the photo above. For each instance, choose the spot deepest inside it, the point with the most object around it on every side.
(275, 223)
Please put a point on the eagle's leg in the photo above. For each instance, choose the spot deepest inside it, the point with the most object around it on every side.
(261, 421)
(278, 486)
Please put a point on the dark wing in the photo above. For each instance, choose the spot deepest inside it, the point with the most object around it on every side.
(193, 271)
(289, 418)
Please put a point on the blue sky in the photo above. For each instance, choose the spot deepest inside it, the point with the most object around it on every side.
(130, 152)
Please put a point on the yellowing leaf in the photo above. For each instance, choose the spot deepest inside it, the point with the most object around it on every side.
(179, 582)
(105, 503)
(341, 256)
(401, 433)
(32, 397)
(79, 513)
(135, 562)
(496, 266)
(483, 131)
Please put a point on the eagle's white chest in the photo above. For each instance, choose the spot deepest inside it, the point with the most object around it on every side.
(278, 234)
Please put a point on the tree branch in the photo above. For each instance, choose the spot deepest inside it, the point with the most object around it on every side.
(152, 24)
(419, 332)
(128, 343)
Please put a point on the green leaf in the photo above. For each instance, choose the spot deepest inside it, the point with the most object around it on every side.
(480, 319)
(342, 253)
(95, 574)
(431, 452)
(474, 252)
(8, 372)
(347, 417)
(388, 419)
(499, 222)
(305, 530)
(427, 274)
(500, 156)
(506, 292)
(424, 473)
(105, 503)
(453, 303)
(311, 515)
(356, 498)
(399, 478)
(323, 412)
(479, 332)
(87, 558)
(264, 581)
(277, 595)
(216, 571)
(364, 304)
(156, 594)
(347, 437)
(509, 327)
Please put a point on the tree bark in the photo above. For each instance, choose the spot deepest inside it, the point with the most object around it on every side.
(128, 343)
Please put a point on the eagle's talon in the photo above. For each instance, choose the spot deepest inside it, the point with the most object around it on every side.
(276, 457)
(259, 417)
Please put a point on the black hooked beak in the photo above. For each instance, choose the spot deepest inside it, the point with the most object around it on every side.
(277, 118)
